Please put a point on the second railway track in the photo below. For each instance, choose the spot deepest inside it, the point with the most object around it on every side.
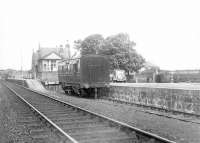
(81, 125)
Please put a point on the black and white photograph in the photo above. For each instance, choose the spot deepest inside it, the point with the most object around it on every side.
(99, 71)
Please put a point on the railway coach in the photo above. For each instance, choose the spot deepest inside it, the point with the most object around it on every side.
(84, 76)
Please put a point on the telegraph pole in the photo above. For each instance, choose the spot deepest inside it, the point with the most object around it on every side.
(21, 67)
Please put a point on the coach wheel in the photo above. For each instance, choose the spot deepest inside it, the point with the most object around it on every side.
(68, 92)
(83, 93)
(92, 92)
(71, 92)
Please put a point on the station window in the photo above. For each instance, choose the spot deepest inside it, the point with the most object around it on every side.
(53, 65)
(45, 67)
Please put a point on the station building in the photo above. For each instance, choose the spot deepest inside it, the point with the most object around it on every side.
(147, 73)
(45, 63)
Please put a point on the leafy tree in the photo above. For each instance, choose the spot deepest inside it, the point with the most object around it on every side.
(91, 44)
(122, 55)
(77, 44)
(119, 48)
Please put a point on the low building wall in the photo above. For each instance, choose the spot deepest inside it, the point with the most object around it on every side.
(170, 99)
(48, 76)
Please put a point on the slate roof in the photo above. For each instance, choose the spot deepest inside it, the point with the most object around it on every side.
(43, 52)
(44, 57)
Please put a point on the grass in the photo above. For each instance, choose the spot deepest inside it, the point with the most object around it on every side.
(10, 132)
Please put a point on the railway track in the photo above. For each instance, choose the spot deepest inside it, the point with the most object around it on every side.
(25, 125)
(80, 125)
(188, 117)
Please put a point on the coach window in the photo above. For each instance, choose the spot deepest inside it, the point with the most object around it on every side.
(79, 65)
(75, 67)
(45, 67)
(67, 69)
(71, 68)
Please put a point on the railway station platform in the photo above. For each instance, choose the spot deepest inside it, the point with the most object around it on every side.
(36, 85)
(181, 97)
(184, 86)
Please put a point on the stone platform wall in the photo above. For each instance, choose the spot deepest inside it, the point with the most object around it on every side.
(170, 99)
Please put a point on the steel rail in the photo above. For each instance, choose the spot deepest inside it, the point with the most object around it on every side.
(156, 109)
(140, 131)
(43, 116)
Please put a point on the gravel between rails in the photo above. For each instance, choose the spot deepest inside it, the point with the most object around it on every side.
(19, 124)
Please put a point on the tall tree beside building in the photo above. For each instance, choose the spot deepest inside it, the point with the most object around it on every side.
(119, 48)
(122, 55)
(91, 44)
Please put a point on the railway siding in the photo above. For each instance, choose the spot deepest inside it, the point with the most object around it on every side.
(183, 132)
(181, 97)
(112, 134)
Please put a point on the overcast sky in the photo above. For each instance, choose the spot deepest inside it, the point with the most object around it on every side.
(166, 32)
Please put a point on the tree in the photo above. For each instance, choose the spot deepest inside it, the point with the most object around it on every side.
(91, 44)
(119, 49)
(77, 44)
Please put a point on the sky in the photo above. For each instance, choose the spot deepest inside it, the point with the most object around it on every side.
(166, 32)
